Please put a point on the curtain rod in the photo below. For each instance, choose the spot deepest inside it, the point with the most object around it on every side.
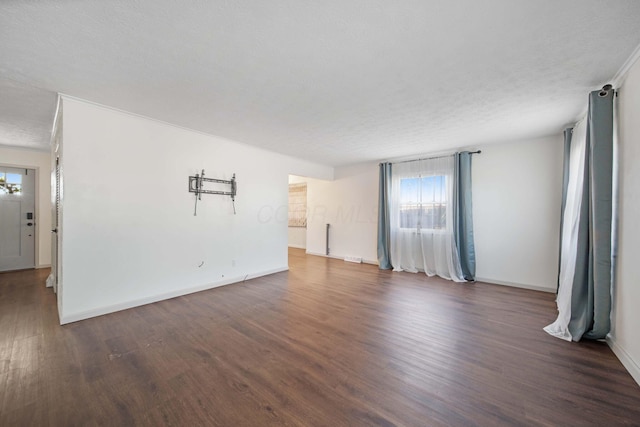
(437, 157)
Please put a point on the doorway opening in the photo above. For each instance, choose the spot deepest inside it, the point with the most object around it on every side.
(17, 218)
(297, 218)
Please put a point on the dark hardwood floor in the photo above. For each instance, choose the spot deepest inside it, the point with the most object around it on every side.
(328, 343)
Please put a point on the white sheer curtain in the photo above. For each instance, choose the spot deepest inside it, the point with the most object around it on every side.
(421, 218)
(571, 215)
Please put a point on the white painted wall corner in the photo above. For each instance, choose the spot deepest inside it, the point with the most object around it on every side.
(625, 358)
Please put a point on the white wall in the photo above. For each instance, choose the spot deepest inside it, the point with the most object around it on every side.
(350, 204)
(297, 237)
(516, 196)
(129, 233)
(625, 336)
(517, 192)
(41, 161)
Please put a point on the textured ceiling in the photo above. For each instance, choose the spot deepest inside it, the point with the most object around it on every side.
(334, 81)
(26, 115)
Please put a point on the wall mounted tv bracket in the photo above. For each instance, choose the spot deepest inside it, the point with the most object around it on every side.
(196, 185)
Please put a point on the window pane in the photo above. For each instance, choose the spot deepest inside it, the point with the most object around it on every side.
(13, 188)
(423, 202)
(433, 189)
(14, 178)
(434, 216)
(434, 212)
(409, 202)
(409, 190)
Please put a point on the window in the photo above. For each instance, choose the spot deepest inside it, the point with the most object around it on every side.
(10, 183)
(423, 202)
(298, 205)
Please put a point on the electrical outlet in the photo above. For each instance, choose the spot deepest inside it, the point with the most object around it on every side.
(233, 263)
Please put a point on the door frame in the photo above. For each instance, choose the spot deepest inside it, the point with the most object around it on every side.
(36, 247)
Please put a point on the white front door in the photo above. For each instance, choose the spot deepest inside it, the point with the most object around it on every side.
(17, 218)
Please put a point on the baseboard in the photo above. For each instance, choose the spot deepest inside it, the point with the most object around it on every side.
(340, 257)
(322, 255)
(297, 246)
(516, 285)
(625, 358)
(75, 317)
(43, 266)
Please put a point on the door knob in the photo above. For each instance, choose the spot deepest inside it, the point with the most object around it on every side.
(29, 224)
